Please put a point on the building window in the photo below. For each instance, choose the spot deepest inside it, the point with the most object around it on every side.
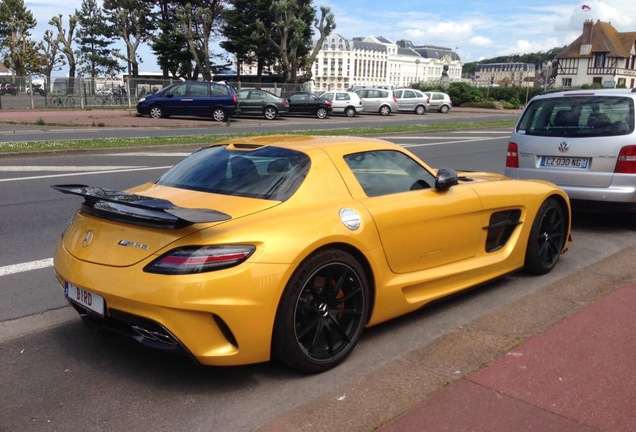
(566, 82)
(599, 60)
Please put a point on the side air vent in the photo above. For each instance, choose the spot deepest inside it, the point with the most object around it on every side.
(502, 225)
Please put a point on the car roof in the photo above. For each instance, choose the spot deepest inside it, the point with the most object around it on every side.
(588, 92)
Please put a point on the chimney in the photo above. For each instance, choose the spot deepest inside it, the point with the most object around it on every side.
(586, 41)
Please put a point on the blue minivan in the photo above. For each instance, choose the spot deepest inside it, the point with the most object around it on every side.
(191, 98)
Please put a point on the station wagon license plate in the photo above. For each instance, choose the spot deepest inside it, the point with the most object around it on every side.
(565, 162)
(88, 299)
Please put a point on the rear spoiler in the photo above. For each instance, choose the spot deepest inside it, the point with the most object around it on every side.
(137, 209)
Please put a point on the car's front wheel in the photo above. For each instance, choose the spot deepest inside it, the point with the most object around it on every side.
(350, 112)
(444, 109)
(218, 114)
(156, 112)
(322, 312)
(270, 113)
(547, 238)
(321, 113)
(385, 110)
(420, 109)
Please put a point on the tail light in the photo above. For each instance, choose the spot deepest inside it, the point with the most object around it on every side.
(200, 259)
(327, 102)
(285, 102)
(512, 156)
(395, 99)
(626, 163)
(234, 97)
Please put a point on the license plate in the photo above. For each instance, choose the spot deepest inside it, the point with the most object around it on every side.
(88, 299)
(565, 162)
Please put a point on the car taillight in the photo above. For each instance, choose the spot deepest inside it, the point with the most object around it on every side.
(626, 163)
(395, 99)
(512, 156)
(234, 97)
(328, 102)
(285, 102)
(200, 259)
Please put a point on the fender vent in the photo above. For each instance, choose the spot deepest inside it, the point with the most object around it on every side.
(502, 225)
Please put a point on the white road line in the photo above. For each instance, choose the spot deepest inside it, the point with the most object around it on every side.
(149, 154)
(40, 168)
(25, 267)
(83, 173)
(452, 142)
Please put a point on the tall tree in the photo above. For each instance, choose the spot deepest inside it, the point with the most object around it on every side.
(197, 22)
(133, 21)
(16, 23)
(94, 38)
(51, 55)
(291, 35)
(242, 37)
(66, 38)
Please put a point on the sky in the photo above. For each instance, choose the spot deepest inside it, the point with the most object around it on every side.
(476, 30)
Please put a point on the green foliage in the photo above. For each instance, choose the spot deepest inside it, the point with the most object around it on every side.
(20, 53)
(94, 38)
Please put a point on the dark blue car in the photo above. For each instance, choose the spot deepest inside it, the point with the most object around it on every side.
(191, 98)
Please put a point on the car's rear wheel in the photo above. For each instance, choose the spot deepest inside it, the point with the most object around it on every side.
(350, 112)
(547, 238)
(321, 113)
(420, 109)
(156, 112)
(218, 114)
(385, 110)
(444, 109)
(270, 113)
(322, 312)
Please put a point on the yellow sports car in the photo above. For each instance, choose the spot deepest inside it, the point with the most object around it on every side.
(287, 247)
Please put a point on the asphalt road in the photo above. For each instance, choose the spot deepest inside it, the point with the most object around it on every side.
(56, 375)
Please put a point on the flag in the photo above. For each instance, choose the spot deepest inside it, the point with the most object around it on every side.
(585, 8)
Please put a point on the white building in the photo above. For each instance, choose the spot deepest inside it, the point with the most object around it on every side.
(377, 61)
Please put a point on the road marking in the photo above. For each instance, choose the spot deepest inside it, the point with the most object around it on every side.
(452, 142)
(149, 154)
(84, 173)
(39, 168)
(25, 267)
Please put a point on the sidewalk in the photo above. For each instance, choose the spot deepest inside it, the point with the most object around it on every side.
(580, 375)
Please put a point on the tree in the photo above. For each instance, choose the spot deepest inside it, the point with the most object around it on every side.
(51, 55)
(291, 33)
(94, 38)
(16, 22)
(133, 21)
(197, 23)
(241, 30)
(66, 38)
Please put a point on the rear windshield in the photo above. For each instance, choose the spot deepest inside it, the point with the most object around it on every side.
(581, 116)
(263, 172)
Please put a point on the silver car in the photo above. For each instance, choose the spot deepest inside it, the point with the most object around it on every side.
(411, 100)
(583, 141)
(344, 102)
(378, 100)
(439, 101)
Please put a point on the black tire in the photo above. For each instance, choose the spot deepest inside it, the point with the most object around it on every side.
(218, 114)
(54, 101)
(385, 110)
(420, 109)
(444, 109)
(321, 113)
(270, 113)
(70, 101)
(547, 238)
(322, 312)
(156, 112)
(350, 112)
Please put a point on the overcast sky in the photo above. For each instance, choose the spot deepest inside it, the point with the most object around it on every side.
(475, 29)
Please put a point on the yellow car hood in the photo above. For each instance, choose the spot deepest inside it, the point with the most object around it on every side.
(119, 243)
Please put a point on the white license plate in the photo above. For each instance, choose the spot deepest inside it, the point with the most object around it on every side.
(88, 299)
(565, 162)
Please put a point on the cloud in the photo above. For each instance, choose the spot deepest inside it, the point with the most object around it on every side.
(480, 41)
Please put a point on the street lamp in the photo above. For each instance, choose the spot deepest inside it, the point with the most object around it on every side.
(417, 65)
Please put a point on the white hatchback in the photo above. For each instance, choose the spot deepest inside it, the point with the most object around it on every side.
(344, 102)
(583, 141)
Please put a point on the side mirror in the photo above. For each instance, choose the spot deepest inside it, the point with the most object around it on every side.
(446, 177)
(168, 95)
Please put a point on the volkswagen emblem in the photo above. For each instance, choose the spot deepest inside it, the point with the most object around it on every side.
(564, 146)
(88, 238)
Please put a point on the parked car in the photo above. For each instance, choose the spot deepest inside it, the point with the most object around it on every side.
(287, 247)
(378, 100)
(262, 103)
(344, 102)
(411, 100)
(439, 101)
(582, 140)
(309, 104)
(8, 88)
(191, 98)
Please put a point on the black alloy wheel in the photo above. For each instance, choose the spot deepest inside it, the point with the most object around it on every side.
(547, 238)
(322, 312)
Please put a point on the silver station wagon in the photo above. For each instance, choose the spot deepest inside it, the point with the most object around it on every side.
(583, 141)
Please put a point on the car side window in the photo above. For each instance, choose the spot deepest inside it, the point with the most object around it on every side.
(398, 93)
(408, 94)
(220, 91)
(387, 172)
(343, 96)
(179, 90)
(198, 90)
